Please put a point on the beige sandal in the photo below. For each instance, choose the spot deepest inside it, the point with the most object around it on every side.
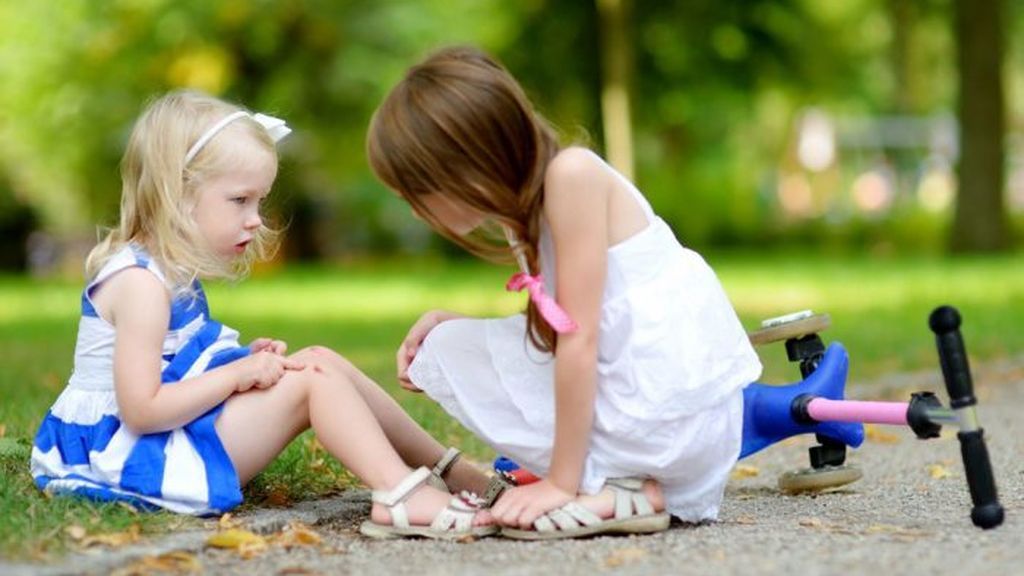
(453, 522)
(495, 487)
(442, 467)
(633, 515)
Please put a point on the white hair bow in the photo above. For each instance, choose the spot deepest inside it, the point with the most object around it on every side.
(276, 128)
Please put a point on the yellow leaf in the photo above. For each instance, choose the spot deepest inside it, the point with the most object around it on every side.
(3, 430)
(938, 471)
(227, 521)
(75, 532)
(177, 562)
(811, 522)
(744, 471)
(876, 434)
(234, 538)
(129, 536)
(623, 556)
(297, 534)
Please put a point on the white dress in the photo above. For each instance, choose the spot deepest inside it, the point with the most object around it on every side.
(673, 360)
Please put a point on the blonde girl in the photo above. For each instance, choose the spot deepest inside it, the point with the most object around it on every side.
(165, 408)
(622, 383)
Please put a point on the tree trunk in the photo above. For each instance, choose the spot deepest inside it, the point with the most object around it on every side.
(616, 73)
(980, 223)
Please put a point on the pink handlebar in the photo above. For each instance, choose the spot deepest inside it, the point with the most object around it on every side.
(824, 410)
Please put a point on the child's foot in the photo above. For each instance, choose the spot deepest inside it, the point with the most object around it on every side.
(423, 506)
(603, 503)
(641, 506)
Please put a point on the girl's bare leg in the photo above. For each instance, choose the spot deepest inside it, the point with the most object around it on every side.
(413, 444)
(256, 425)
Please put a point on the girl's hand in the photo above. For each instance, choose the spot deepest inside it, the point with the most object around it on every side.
(520, 506)
(411, 345)
(263, 369)
(278, 347)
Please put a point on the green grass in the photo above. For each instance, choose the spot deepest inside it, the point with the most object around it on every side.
(879, 309)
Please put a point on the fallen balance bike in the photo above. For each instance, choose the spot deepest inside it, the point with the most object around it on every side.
(816, 405)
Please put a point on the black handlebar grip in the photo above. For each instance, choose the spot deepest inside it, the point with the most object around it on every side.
(987, 512)
(945, 323)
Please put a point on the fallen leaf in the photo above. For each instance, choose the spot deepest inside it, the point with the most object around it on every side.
(938, 471)
(251, 549)
(744, 471)
(876, 434)
(296, 570)
(297, 534)
(745, 520)
(177, 562)
(811, 522)
(75, 532)
(227, 522)
(114, 539)
(623, 556)
(234, 538)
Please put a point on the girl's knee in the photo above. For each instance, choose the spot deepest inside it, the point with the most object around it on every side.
(321, 359)
(324, 366)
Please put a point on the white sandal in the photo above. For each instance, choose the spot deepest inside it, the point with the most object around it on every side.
(633, 515)
(442, 467)
(453, 522)
(495, 486)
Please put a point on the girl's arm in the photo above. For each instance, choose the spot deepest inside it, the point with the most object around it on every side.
(138, 305)
(575, 205)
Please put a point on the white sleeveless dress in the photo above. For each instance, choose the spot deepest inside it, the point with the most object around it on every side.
(82, 448)
(673, 359)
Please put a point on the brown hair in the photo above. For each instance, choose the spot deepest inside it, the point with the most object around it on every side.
(459, 124)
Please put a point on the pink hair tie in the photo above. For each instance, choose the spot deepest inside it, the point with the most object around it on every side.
(546, 305)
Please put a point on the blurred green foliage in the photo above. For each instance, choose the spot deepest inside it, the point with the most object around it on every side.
(717, 87)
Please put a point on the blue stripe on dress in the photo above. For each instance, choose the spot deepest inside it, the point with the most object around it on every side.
(185, 309)
(143, 471)
(75, 441)
(222, 484)
(93, 491)
(87, 308)
(190, 352)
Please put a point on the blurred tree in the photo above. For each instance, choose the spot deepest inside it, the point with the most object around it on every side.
(980, 222)
(616, 79)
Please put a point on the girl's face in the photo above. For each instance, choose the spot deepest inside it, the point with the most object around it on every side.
(227, 210)
(460, 218)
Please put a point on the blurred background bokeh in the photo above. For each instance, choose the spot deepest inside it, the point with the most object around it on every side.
(879, 126)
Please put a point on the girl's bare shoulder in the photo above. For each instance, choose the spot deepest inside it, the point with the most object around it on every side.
(576, 174)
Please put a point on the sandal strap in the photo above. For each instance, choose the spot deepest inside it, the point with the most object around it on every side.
(457, 517)
(446, 462)
(629, 497)
(568, 517)
(496, 486)
(401, 492)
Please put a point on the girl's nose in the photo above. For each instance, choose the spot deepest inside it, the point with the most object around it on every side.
(253, 221)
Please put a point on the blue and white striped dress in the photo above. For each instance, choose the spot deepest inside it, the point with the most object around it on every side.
(82, 447)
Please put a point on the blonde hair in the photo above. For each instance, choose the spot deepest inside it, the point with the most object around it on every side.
(159, 191)
(458, 124)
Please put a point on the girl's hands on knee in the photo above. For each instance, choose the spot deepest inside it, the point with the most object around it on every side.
(520, 506)
(278, 347)
(411, 345)
(263, 369)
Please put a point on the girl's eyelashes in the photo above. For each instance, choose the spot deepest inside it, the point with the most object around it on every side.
(243, 199)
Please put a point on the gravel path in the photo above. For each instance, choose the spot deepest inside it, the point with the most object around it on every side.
(910, 513)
